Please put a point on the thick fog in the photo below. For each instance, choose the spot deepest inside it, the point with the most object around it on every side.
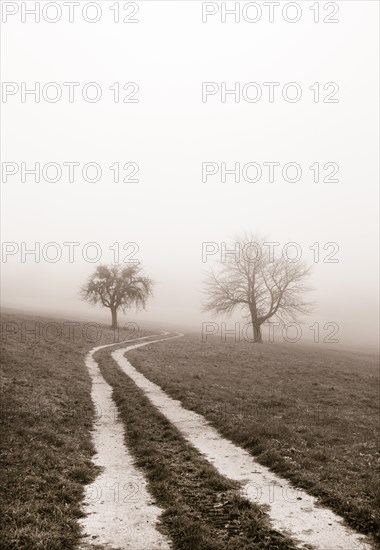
(169, 212)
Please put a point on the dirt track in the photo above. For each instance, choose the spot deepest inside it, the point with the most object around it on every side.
(291, 510)
(119, 510)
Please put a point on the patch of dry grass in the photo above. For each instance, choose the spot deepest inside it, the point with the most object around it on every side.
(46, 416)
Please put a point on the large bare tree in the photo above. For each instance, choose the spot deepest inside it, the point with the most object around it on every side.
(117, 287)
(262, 284)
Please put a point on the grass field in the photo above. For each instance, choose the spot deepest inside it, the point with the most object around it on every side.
(309, 414)
(46, 417)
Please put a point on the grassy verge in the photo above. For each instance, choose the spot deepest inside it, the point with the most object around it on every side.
(203, 510)
(308, 414)
(46, 417)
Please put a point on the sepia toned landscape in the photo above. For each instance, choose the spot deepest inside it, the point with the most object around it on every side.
(189, 261)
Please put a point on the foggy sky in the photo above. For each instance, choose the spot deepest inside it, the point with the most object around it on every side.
(170, 132)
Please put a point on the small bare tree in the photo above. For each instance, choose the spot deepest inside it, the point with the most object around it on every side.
(260, 283)
(117, 287)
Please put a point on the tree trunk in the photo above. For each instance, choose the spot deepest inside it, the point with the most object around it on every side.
(114, 317)
(257, 338)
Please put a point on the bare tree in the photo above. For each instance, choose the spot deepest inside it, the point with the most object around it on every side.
(260, 283)
(117, 287)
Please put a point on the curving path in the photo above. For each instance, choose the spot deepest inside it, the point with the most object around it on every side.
(119, 510)
(291, 510)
